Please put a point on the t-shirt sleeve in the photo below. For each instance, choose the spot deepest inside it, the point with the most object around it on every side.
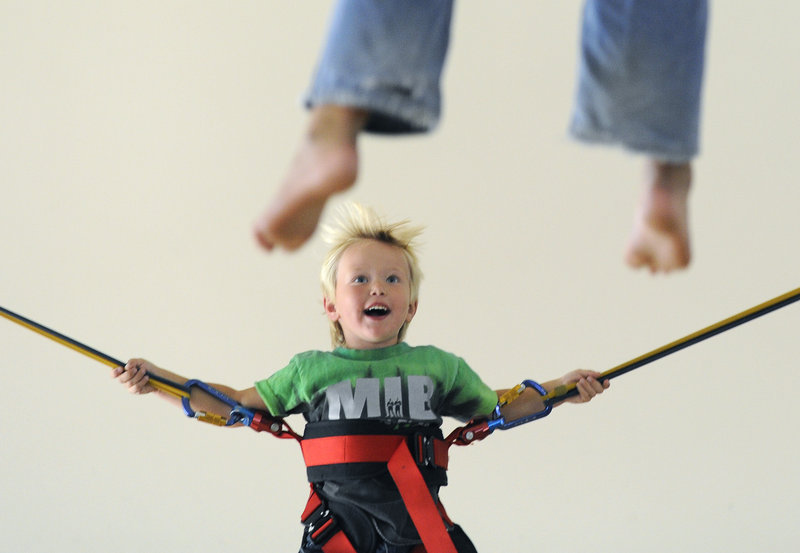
(281, 393)
(468, 396)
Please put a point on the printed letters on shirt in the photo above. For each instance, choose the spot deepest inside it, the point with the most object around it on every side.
(368, 399)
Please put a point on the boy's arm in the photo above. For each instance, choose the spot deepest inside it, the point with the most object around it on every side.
(135, 375)
(530, 402)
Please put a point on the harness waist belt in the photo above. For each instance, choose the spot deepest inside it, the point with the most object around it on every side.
(378, 448)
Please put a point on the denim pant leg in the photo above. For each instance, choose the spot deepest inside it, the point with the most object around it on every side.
(385, 56)
(640, 76)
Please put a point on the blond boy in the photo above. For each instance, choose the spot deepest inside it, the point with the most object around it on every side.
(372, 386)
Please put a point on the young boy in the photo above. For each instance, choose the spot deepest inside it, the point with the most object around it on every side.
(371, 388)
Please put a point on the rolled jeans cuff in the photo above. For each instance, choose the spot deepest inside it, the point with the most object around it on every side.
(640, 76)
(392, 109)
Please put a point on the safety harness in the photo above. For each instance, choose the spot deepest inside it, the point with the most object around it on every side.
(352, 448)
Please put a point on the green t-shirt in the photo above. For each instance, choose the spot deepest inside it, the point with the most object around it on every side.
(401, 383)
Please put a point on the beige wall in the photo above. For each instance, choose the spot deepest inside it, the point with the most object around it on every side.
(138, 140)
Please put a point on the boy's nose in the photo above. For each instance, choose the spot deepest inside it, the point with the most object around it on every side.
(377, 290)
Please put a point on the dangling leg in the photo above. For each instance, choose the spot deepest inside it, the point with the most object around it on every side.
(326, 162)
(639, 86)
(379, 72)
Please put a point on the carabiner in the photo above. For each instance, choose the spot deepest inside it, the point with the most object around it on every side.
(478, 429)
(238, 413)
(499, 422)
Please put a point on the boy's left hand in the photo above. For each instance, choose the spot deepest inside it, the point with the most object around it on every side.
(586, 382)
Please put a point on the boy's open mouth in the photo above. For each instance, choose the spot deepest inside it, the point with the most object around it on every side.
(377, 311)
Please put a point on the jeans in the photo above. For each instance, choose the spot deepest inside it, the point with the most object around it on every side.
(639, 75)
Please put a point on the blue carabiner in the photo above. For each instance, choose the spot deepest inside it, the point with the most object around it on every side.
(238, 413)
(499, 422)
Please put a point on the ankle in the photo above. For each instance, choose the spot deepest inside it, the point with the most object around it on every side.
(675, 177)
(331, 123)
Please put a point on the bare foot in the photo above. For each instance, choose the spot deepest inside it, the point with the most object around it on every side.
(325, 163)
(660, 237)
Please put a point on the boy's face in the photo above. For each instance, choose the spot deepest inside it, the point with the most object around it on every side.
(373, 298)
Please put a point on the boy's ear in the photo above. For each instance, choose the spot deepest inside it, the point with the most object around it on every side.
(412, 310)
(330, 309)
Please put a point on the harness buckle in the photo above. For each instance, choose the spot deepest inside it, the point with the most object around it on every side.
(423, 450)
(320, 525)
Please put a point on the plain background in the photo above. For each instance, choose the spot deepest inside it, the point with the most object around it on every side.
(138, 142)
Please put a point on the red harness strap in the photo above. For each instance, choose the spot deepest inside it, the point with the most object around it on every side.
(336, 541)
(419, 502)
(392, 450)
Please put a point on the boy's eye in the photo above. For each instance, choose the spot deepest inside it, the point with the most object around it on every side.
(394, 279)
(360, 279)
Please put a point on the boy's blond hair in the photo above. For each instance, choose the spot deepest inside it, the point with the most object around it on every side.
(356, 223)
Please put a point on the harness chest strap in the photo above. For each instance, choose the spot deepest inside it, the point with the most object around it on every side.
(394, 451)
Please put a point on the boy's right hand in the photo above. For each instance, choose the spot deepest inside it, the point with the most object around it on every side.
(134, 375)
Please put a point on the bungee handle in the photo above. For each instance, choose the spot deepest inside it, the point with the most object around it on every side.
(256, 420)
(560, 393)
(159, 383)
